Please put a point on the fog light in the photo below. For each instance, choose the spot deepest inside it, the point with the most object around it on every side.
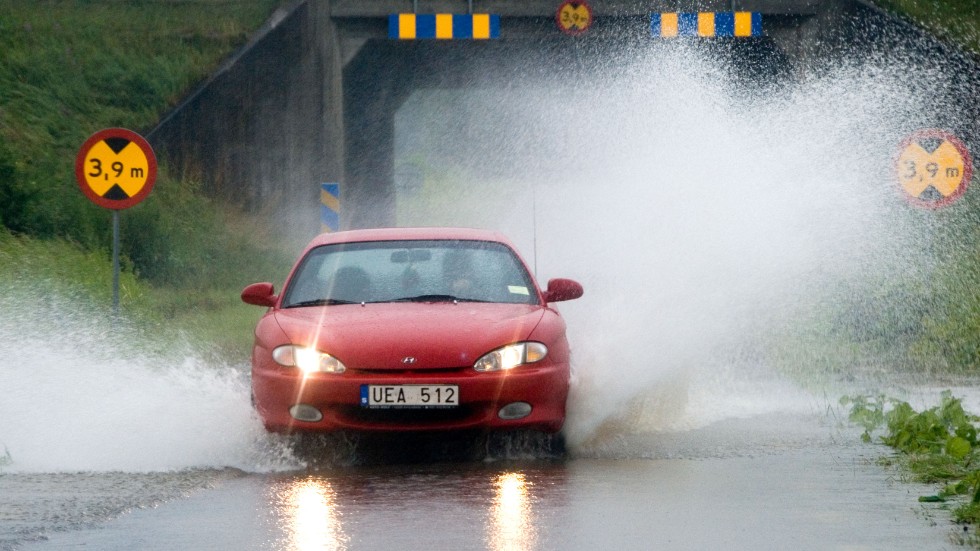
(304, 412)
(515, 410)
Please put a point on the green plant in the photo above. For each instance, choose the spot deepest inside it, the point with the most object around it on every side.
(937, 445)
(957, 20)
(867, 412)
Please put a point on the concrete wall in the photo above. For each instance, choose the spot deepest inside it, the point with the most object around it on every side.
(266, 128)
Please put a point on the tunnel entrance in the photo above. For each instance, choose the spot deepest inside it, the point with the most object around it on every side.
(480, 85)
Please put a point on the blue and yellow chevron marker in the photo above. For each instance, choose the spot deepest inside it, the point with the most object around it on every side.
(329, 208)
(706, 24)
(443, 26)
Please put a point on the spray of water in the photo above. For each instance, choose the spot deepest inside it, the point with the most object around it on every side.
(84, 393)
(702, 216)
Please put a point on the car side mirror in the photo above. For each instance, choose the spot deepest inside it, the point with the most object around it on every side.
(260, 294)
(560, 289)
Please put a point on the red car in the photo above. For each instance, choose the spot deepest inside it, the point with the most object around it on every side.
(410, 329)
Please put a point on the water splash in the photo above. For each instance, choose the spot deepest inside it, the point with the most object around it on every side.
(83, 393)
(703, 216)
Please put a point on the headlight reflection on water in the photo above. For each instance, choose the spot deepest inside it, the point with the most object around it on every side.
(310, 517)
(511, 523)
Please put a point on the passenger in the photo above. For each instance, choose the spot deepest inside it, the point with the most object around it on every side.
(350, 283)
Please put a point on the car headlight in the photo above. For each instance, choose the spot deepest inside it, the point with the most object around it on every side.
(308, 360)
(511, 356)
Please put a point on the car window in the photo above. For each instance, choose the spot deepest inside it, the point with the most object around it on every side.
(430, 270)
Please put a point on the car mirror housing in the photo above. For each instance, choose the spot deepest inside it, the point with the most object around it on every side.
(560, 289)
(260, 294)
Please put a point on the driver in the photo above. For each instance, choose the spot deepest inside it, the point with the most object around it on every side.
(458, 272)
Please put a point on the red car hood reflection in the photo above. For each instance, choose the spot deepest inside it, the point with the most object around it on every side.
(383, 336)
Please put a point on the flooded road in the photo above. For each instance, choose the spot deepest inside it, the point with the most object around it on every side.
(774, 481)
(702, 221)
(719, 456)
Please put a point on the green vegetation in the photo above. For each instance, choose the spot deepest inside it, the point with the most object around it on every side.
(938, 445)
(212, 319)
(915, 311)
(70, 68)
(954, 20)
(951, 326)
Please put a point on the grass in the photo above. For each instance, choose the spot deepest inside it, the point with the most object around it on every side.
(65, 268)
(953, 20)
(213, 321)
(70, 68)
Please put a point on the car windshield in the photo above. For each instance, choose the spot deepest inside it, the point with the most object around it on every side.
(410, 271)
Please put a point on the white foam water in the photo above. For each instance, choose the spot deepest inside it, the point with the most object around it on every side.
(698, 215)
(701, 217)
(80, 392)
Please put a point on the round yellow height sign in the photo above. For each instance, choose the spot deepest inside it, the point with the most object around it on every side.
(116, 168)
(574, 18)
(934, 168)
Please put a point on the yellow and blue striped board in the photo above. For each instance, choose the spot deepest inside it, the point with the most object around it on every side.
(706, 24)
(329, 208)
(445, 26)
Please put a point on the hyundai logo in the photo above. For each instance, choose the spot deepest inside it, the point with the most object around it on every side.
(408, 360)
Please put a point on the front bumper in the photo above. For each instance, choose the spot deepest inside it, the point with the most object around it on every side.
(481, 397)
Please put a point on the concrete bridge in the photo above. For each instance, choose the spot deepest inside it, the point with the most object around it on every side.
(312, 97)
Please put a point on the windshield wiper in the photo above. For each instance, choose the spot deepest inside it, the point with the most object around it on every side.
(321, 302)
(436, 298)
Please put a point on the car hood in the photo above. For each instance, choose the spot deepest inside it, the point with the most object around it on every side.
(383, 335)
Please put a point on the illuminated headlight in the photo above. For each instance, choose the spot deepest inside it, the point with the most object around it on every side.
(308, 360)
(511, 356)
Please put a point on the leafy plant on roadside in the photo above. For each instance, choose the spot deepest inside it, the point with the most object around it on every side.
(946, 428)
(866, 411)
(937, 445)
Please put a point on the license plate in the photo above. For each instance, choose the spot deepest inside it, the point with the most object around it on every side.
(409, 396)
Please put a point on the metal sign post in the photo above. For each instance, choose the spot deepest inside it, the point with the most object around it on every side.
(115, 262)
(116, 169)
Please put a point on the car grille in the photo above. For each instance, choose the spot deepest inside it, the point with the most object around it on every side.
(411, 416)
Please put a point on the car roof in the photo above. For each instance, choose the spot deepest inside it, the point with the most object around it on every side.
(406, 234)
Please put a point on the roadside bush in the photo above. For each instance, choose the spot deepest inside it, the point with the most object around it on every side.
(9, 195)
(936, 445)
(950, 333)
(179, 238)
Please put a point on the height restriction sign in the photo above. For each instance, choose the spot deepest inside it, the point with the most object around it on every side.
(116, 168)
(574, 18)
(934, 168)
